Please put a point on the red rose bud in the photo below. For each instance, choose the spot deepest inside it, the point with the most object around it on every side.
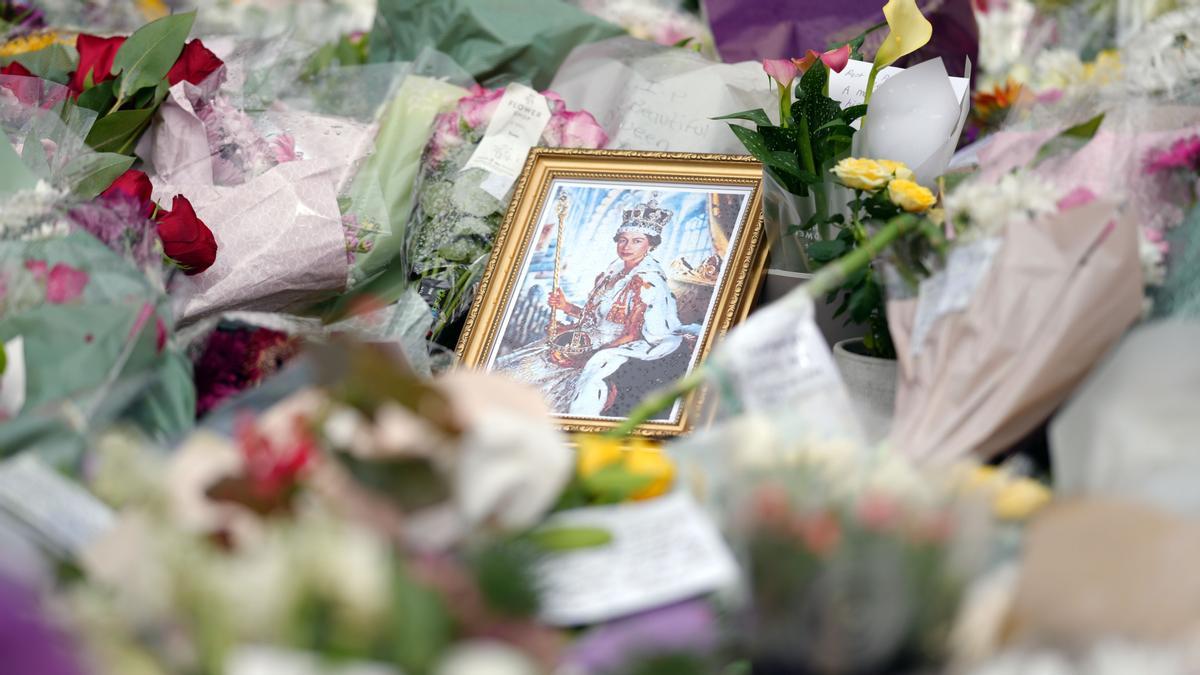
(186, 239)
(133, 185)
(194, 65)
(96, 56)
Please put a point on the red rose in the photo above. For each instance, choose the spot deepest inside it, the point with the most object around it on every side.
(194, 65)
(186, 239)
(28, 92)
(15, 68)
(133, 185)
(96, 56)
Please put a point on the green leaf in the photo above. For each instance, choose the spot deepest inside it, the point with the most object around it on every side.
(91, 174)
(3, 359)
(506, 574)
(865, 300)
(99, 98)
(119, 131)
(420, 626)
(753, 141)
(33, 154)
(758, 116)
(854, 112)
(812, 84)
(614, 484)
(561, 539)
(50, 63)
(147, 56)
(14, 175)
(1070, 138)
(826, 251)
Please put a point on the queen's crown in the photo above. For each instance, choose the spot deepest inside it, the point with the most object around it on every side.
(645, 218)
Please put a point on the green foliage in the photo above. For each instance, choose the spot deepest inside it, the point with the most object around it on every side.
(99, 98)
(614, 484)
(421, 628)
(346, 51)
(1070, 139)
(507, 575)
(119, 131)
(50, 63)
(92, 174)
(14, 175)
(147, 56)
(560, 539)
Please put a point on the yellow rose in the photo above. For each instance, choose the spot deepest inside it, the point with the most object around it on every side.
(653, 463)
(862, 174)
(898, 169)
(1020, 499)
(910, 196)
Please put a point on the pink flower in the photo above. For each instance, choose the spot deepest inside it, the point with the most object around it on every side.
(1080, 196)
(575, 130)
(877, 512)
(836, 59)
(284, 147)
(556, 102)
(64, 284)
(782, 71)
(38, 268)
(1157, 239)
(160, 329)
(477, 108)
(1183, 154)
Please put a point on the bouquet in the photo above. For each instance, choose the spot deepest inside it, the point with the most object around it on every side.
(455, 217)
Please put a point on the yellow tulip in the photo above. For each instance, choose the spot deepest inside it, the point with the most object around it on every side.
(653, 463)
(908, 31)
(594, 452)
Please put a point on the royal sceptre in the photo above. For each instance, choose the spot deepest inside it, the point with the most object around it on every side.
(561, 206)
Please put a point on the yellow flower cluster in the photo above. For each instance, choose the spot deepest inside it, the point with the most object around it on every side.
(32, 43)
(638, 456)
(871, 175)
(1012, 498)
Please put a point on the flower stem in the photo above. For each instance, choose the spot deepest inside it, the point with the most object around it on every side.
(830, 277)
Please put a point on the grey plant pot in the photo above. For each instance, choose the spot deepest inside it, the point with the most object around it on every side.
(871, 383)
(780, 282)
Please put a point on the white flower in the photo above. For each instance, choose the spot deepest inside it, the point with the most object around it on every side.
(486, 658)
(1058, 69)
(988, 207)
(1164, 57)
(1002, 31)
(510, 471)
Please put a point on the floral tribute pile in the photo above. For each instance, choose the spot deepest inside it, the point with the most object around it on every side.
(237, 238)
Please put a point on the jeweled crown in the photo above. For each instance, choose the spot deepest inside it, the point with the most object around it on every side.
(645, 219)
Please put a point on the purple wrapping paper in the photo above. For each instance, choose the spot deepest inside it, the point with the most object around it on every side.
(771, 29)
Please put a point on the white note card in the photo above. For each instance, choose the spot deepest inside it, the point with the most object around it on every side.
(516, 126)
(63, 515)
(951, 289)
(849, 87)
(662, 551)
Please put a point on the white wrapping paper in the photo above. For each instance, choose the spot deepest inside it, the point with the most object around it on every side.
(280, 243)
(649, 97)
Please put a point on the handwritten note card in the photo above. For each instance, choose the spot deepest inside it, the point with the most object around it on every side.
(662, 551)
(849, 87)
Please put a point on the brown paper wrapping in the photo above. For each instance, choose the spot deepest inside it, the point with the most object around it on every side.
(1058, 296)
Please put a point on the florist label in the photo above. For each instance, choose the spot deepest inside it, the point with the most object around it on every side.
(662, 551)
(520, 118)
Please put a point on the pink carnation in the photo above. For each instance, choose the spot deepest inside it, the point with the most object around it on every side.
(1183, 154)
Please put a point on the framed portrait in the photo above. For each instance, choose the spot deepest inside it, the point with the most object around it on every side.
(613, 274)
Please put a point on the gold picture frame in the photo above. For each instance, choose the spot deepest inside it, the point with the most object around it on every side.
(608, 187)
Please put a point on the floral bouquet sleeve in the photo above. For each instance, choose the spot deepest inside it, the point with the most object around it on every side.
(454, 218)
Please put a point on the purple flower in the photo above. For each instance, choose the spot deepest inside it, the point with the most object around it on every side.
(28, 643)
(121, 225)
(1183, 154)
(689, 627)
(27, 17)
